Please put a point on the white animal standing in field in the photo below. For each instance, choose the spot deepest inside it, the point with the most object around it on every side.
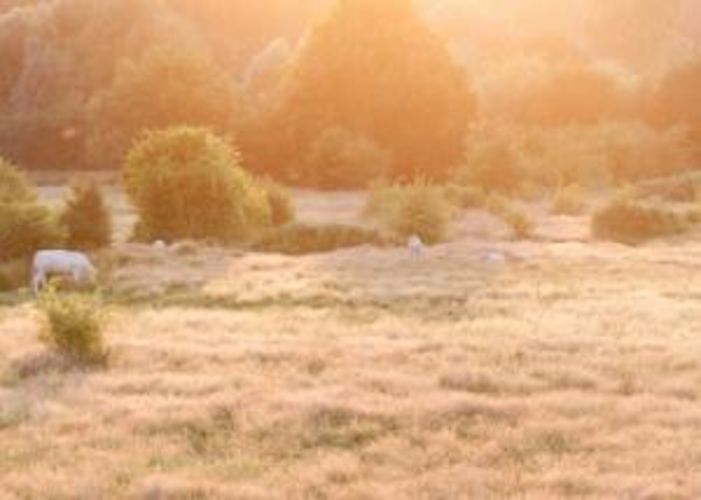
(416, 247)
(61, 262)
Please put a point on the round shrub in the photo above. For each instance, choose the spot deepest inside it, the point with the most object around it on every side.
(26, 228)
(187, 183)
(627, 221)
(73, 326)
(14, 185)
(86, 217)
(422, 210)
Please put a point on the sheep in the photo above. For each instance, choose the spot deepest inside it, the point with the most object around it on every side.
(51, 262)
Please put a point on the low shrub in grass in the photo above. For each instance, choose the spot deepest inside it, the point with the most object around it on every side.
(569, 200)
(518, 220)
(423, 210)
(73, 325)
(26, 228)
(627, 221)
(86, 217)
(415, 209)
(282, 209)
(301, 239)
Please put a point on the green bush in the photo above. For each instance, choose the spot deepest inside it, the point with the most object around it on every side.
(86, 217)
(26, 228)
(187, 183)
(414, 209)
(301, 239)
(14, 185)
(627, 221)
(569, 200)
(340, 159)
(73, 326)
(282, 209)
(422, 210)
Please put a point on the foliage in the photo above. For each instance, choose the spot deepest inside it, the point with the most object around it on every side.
(187, 183)
(166, 87)
(466, 196)
(86, 217)
(13, 275)
(73, 326)
(14, 185)
(517, 219)
(340, 159)
(301, 239)
(569, 200)
(627, 221)
(684, 188)
(282, 209)
(377, 69)
(419, 209)
(26, 228)
(492, 164)
(56, 57)
(507, 159)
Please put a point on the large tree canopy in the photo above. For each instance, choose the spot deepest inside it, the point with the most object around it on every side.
(376, 69)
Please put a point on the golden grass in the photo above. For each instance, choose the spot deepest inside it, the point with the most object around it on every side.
(573, 370)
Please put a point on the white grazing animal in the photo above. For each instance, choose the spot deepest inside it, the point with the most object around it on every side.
(50, 262)
(416, 246)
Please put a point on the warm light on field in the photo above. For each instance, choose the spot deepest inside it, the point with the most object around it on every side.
(350, 249)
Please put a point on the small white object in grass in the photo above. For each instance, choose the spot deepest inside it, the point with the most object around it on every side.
(159, 245)
(416, 246)
(77, 265)
(494, 257)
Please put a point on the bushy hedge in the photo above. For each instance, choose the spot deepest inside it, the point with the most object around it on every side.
(187, 183)
(301, 239)
(628, 221)
(86, 217)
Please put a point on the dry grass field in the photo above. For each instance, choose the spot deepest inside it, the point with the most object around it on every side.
(570, 370)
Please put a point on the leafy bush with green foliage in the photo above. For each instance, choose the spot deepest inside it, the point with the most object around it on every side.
(86, 217)
(282, 209)
(569, 200)
(418, 209)
(14, 185)
(26, 228)
(301, 239)
(340, 159)
(73, 325)
(187, 183)
(627, 221)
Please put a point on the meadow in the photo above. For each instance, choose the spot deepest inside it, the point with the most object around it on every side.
(568, 368)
